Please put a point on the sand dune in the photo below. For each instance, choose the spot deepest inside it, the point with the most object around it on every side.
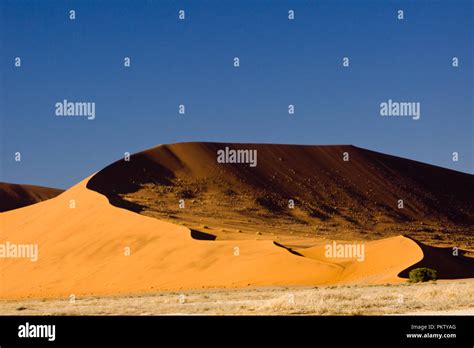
(14, 196)
(82, 250)
(354, 199)
(382, 260)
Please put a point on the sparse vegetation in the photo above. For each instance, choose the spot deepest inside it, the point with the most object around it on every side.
(441, 298)
(422, 274)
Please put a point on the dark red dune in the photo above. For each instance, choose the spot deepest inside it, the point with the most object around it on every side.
(14, 196)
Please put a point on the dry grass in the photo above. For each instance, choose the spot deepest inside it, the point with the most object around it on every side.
(448, 297)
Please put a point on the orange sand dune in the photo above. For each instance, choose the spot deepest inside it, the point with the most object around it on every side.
(81, 251)
(382, 259)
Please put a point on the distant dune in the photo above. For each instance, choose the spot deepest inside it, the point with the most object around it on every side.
(13, 196)
(83, 250)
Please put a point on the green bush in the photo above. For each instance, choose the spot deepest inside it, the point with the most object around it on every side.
(422, 275)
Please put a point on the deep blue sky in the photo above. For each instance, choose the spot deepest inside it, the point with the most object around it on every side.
(282, 62)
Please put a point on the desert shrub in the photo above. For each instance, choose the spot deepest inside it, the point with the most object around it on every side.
(422, 275)
(185, 193)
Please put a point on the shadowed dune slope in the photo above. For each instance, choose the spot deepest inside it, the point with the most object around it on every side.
(361, 193)
(448, 263)
(13, 196)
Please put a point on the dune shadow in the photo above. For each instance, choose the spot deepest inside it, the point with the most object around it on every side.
(199, 235)
(288, 249)
(123, 177)
(444, 261)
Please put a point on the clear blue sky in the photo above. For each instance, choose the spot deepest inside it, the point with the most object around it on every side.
(190, 62)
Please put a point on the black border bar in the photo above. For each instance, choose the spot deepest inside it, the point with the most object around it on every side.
(245, 330)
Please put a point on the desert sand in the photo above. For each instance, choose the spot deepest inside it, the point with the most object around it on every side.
(82, 251)
(83, 247)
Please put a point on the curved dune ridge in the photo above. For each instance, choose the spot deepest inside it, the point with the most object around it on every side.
(82, 250)
(14, 196)
(449, 263)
